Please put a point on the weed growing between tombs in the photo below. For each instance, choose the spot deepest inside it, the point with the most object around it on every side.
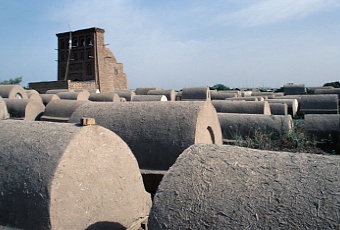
(296, 140)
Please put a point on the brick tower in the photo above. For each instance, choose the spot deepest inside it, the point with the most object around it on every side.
(85, 57)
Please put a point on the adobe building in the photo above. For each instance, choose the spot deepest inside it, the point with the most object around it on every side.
(85, 62)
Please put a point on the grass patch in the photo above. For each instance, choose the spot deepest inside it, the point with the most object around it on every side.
(297, 140)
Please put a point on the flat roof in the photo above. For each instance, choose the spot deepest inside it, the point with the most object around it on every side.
(92, 29)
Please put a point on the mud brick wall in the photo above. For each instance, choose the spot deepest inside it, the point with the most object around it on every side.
(83, 85)
(42, 87)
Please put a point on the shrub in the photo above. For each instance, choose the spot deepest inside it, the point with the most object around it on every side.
(219, 87)
(296, 140)
(12, 81)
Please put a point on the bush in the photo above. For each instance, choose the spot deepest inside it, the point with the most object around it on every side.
(295, 141)
(12, 81)
(335, 84)
(219, 87)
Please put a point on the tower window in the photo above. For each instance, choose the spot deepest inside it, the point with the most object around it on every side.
(82, 56)
(89, 69)
(75, 42)
(62, 44)
(89, 41)
(62, 56)
(89, 54)
(82, 42)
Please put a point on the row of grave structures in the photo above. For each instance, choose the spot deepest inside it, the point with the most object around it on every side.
(155, 159)
(238, 111)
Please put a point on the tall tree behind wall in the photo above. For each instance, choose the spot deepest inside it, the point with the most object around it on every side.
(12, 81)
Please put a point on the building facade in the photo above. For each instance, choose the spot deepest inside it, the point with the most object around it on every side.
(85, 60)
(84, 56)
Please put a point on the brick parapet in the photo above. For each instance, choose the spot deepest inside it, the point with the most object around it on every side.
(42, 87)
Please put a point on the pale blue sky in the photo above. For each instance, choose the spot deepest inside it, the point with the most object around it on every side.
(176, 44)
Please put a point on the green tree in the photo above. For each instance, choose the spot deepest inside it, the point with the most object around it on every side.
(12, 81)
(279, 90)
(335, 84)
(219, 87)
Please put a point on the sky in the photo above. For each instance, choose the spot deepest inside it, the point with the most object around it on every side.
(185, 43)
